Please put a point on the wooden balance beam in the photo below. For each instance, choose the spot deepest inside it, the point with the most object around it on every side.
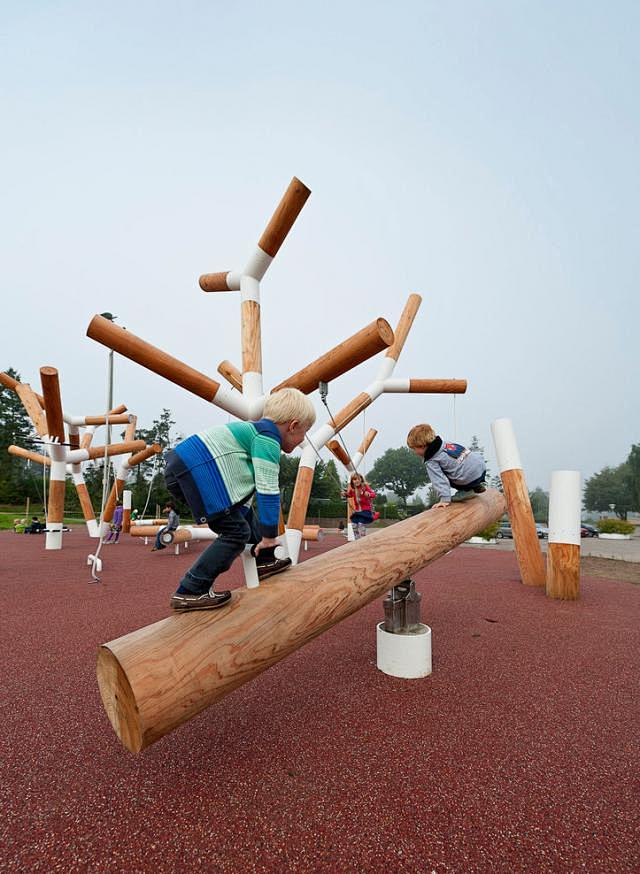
(154, 679)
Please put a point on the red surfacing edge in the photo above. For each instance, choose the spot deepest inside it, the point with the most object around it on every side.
(519, 753)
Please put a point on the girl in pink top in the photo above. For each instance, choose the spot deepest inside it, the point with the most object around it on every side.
(360, 495)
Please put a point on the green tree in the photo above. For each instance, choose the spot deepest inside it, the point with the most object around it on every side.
(539, 504)
(400, 471)
(633, 476)
(287, 477)
(149, 476)
(610, 486)
(16, 480)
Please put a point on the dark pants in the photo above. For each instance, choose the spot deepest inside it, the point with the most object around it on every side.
(161, 531)
(362, 516)
(235, 529)
(469, 487)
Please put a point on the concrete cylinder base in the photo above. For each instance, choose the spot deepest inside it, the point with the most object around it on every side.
(404, 655)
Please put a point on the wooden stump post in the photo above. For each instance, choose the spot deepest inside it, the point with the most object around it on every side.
(525, 535)
(563, 558)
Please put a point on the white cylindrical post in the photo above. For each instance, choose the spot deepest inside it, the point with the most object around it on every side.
(404, 655)
(525, 536)
(563, 558)
(126, 511)
(250, 568)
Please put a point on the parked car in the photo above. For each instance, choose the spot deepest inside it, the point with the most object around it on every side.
(504, 531)
(588, 530)
(542, 531)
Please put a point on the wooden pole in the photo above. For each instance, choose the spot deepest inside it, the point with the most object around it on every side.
(32, 405)
(215, 281)
(404, 326)
(563, 556)
(127, 344)
(26, 453)
(154, 679)
(338, 451)
(346, 355)
(231, 374)
(57, 475)
(9, 382)
(284, 217)
(525, 535)
(367, 440)
(52, 403)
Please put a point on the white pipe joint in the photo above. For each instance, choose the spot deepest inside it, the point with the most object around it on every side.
(258, 264)
(504, 440)
(232, 402)
(250, 288)
(387, 366)
(397, 385)
(564, 507)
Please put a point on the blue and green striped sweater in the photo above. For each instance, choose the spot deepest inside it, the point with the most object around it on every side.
(228, 463)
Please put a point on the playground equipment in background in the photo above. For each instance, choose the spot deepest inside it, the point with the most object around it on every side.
(68, 450)
(561, 578)
(370, 340)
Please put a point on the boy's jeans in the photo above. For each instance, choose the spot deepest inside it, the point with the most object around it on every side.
(235, 528)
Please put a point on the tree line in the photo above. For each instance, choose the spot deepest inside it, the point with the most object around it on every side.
(398, 471)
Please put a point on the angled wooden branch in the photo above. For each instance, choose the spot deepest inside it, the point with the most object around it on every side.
(231, 374)
(344, 357)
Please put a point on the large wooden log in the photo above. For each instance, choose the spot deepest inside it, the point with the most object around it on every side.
(156, 678)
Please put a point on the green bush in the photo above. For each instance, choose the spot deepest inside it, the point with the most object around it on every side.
(489, 532)
(615, 526)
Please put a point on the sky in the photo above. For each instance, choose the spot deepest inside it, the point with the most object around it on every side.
(481, 154)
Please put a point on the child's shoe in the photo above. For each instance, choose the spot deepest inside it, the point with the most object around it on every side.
(208, 601)
(462, 496)
(270, 566)
(480, 489)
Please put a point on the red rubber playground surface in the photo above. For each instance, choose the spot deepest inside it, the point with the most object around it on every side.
(519, 753)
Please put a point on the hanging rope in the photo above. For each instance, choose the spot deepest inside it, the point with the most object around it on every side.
(105, 490)
(153, 474)
(455, 425)
(324, 391)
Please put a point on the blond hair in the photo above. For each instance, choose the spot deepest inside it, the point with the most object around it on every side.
(287, 405)
(420, 436)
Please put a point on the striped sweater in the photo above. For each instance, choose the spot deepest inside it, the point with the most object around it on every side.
(230, 462)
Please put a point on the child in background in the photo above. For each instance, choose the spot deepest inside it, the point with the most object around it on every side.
(116, 524)
(217, 472)
(448, 464)
(360, 495)
(173, 521)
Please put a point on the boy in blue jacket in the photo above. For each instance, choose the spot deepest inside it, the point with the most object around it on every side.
(217, 472)
(448, 464)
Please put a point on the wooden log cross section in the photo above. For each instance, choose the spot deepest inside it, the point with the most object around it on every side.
(154, 679)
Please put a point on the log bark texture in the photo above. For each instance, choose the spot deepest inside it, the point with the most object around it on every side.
(525, 536)
(563, 571)
(154, 679)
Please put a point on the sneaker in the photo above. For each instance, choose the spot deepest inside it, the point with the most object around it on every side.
(271, 567)
(208, 601)
(462, 496)
(480, 489)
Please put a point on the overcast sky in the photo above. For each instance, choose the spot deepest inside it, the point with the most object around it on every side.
(483, 155)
